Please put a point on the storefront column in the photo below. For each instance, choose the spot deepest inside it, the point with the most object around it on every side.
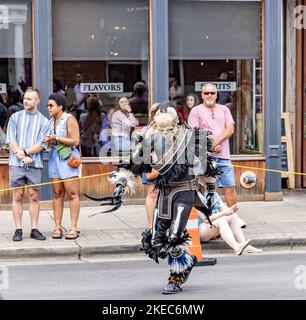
(159, 50)
(43, 50)
(42, 67)
(273, 75)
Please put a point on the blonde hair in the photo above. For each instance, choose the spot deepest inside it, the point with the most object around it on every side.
(154, 108)
(33, 89)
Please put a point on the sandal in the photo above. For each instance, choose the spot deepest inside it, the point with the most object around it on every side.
(57, 233)
(72, 234)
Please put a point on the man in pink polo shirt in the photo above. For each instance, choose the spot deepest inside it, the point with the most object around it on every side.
(218, 119)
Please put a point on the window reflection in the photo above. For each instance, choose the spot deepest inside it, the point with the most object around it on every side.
(15, 60)
(109, 48)
(221, 45)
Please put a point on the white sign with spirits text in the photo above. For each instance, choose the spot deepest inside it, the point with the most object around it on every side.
(221, 86)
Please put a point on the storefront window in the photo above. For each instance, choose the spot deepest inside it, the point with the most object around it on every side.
(101, 53)
(15, 60)
(221, 43)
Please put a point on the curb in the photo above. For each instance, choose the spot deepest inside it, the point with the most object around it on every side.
(93, 250)
(78, 251)
(288, 243)
(39, 252)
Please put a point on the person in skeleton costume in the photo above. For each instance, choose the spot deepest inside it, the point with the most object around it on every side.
(176, 148)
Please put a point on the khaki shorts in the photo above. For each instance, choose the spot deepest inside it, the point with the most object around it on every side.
(21, 176)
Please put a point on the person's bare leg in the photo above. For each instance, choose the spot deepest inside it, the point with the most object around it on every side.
(17, 207)
(150, 204)
(227, 234)
(234, 223)
(222, 228)
(58, 202)
(73, 192)
(34, 207)
(230, 195)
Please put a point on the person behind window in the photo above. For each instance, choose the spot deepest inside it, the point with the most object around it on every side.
(123, 122)
(79, 97)
(64, 136)
(106, 133)
(192, 100)
(223, 96)
(139, 102)
(14, 103)
(247, 123)
(175, 91)
(58, 87)
(3, 113)
(90, 127)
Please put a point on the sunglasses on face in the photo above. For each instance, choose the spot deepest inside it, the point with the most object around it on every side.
(209, 93)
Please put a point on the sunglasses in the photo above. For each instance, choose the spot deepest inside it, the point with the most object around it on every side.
(207, 93)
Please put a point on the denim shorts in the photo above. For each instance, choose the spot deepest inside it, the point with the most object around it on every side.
(60, 169)
(27, 175)
(147, 181)
(227, 178)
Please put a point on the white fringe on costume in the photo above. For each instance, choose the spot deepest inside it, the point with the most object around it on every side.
(181, 263)
(126, 175)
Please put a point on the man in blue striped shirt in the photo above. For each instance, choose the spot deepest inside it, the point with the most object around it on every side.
(25, 132)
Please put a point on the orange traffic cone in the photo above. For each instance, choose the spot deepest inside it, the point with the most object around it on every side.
(195, 247)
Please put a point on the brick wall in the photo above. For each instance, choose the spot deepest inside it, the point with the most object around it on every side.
(92, 71)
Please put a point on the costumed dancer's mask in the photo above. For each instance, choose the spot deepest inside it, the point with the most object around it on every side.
(166, 121)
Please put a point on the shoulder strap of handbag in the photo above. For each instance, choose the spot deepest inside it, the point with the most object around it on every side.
(79, 145)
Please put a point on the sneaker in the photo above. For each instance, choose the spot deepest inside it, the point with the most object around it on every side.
(242, 247)
(17, 235)
(251, 249)
(172, 288)
(243, 225)
(37, 235)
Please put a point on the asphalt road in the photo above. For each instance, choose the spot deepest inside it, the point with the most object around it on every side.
(275, 275)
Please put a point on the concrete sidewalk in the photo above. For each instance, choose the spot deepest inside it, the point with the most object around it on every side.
(271, 225)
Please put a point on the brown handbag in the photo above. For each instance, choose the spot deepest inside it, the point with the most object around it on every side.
(74, 162)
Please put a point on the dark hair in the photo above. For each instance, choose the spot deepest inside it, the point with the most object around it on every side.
(57, 86)
(139, 88)
(93, 105)
(14, 95)
(59, 99)
(196, 98)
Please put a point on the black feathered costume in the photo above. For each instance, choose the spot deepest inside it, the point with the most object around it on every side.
(176, 150)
